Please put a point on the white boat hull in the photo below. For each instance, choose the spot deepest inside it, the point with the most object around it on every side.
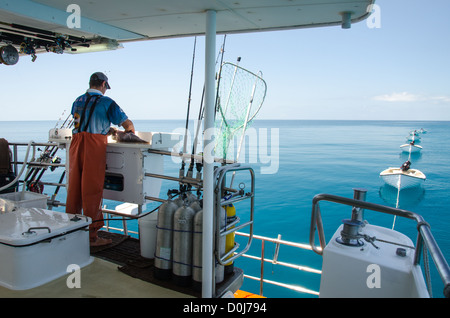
(411, 148)
(403, 179)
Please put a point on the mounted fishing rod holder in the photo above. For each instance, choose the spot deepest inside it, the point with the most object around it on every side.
(33, 166)
(424, 236)
(229, 228)
(358, 213)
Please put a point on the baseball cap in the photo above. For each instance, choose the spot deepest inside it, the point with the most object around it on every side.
(100, 76)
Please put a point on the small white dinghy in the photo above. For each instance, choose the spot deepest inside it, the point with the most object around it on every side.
(403, 177)
(411, 148)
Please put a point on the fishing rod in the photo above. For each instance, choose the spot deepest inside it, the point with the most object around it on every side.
(199, 119)
(48, 153)
(29, 39)
(190, 94)
(201, 110)
(183, 163)
(62, 125)
(189, 102)
(43, 34)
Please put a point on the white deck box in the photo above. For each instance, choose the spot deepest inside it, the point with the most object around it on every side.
(38, 245)
(25, 199)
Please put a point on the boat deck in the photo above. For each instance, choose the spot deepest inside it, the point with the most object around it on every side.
(118, 270)
(99, 279)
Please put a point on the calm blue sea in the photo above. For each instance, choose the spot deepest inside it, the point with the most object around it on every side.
(295, 160)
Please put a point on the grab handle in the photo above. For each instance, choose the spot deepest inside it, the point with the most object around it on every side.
(29, 232)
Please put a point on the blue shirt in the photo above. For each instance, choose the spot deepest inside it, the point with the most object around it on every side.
(106, 112)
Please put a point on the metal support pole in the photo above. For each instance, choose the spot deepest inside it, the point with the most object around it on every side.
(261, 282)
(208, 152)
(358, 213)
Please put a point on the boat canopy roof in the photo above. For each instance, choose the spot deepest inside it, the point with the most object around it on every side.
(119, 21)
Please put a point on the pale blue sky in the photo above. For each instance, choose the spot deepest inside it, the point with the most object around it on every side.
(400, 71)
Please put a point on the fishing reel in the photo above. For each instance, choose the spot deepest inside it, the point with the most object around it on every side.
(28, 48)
(46, 157)
(61, 44)
(55, 160)
(35, 186)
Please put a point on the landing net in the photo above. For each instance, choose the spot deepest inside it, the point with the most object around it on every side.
(240, 95)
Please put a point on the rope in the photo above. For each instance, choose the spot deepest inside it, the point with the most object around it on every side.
(399, 185)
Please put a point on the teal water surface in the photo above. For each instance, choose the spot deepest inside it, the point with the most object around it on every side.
(294, 161)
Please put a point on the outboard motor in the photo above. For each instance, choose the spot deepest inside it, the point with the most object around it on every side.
(406, 165)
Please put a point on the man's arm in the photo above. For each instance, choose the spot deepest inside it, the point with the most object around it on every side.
(128, 126)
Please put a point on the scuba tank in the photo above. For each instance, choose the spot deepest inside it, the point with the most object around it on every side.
(197, 251)
(164, 238)
(196, 205)
(229, 241)
(185, 197)
(183, 222)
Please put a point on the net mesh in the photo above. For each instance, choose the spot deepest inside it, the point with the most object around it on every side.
(240, 95)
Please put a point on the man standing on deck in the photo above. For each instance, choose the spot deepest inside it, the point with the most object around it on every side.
(93, 114)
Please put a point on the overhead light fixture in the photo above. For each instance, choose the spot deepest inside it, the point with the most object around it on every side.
(9, 55)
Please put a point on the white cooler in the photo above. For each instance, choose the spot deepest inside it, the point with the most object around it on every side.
(37, 246)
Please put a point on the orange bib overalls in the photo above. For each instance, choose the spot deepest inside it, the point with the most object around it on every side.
(87, 164)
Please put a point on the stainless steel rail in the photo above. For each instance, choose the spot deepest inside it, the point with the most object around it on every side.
(198, 158)
(219, 177)
(424, 235)
(262, 259)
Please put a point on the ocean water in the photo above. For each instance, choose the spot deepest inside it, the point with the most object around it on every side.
(296, 160)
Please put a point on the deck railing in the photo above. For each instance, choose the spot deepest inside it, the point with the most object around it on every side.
(425, 239)
(263, 259)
